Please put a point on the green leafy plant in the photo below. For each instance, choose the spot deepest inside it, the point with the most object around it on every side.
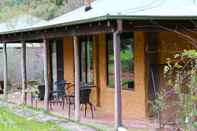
(180, 90)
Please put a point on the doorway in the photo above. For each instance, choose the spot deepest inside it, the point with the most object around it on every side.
(57, 61)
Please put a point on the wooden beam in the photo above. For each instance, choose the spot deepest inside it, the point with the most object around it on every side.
(45, 54)
(5, 72)
(77, 80)
(59, 32)
(97, 27)
(117, 69)
(24, 72)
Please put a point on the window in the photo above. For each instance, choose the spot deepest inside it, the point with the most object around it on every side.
(86, 59)
(127, 61)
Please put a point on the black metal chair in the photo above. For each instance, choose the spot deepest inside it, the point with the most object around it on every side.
(35, 98)
(85, 99)
(41, 89)
(1, 87)
(58, 95)
(85, 92)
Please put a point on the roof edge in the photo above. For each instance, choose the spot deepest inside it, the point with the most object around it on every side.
(103, 18)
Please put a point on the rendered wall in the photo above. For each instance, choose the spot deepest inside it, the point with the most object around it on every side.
(68, 59)
(169, 44)
(134, 103)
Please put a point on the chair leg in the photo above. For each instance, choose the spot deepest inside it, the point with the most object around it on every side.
(69, 111)
(81, 107)
(85, 109)
(63, 105)
(36, 104)
(31, 99)
(50, 105)
(91, 107)
(67, 100)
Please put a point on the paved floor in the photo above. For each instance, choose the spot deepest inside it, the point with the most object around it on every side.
(100, 118)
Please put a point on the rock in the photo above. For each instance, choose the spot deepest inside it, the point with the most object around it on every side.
(122, 129)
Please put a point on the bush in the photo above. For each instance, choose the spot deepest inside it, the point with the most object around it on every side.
(180, 92)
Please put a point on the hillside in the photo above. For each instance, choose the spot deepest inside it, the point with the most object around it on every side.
(46, 9)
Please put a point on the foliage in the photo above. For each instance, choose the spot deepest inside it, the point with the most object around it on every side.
(45, 9)
(11, 122)
(126, 58)
(181, 89)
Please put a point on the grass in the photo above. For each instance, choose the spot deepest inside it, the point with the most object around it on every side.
(11, 122)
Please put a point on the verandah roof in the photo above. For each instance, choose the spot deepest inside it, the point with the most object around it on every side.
(120, 9)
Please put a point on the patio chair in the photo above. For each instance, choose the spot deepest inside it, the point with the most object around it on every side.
(41, 89)
(84, 99)
(1, 87)
(58, 95)
(35, 98)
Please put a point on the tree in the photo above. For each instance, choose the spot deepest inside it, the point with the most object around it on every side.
(181, 90)
(46, 9)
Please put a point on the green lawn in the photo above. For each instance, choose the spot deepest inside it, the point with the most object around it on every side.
(11, 122)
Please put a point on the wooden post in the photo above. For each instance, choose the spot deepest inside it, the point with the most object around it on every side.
(24, 72)
(5, 72)
(117, 69)
(96, 69)
(77, 80)
(45, 54)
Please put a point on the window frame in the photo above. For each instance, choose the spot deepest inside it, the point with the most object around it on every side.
(110, 37)
(85, 39)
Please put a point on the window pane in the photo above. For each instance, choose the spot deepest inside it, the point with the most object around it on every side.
(90, 62)
(127, 61)
(83, 61)
(110, 61)
(86, 53)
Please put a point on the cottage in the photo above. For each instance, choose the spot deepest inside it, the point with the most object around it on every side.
(118, 46)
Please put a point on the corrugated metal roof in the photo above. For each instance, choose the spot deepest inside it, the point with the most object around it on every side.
(21, 21)
(132, 8)
(125, 9)
(18, 45)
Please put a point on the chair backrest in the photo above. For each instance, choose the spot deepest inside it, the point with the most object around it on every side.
(41, 89)
(85, 95)
(60, 86)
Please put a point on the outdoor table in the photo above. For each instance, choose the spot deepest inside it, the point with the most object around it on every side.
(86, 85)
